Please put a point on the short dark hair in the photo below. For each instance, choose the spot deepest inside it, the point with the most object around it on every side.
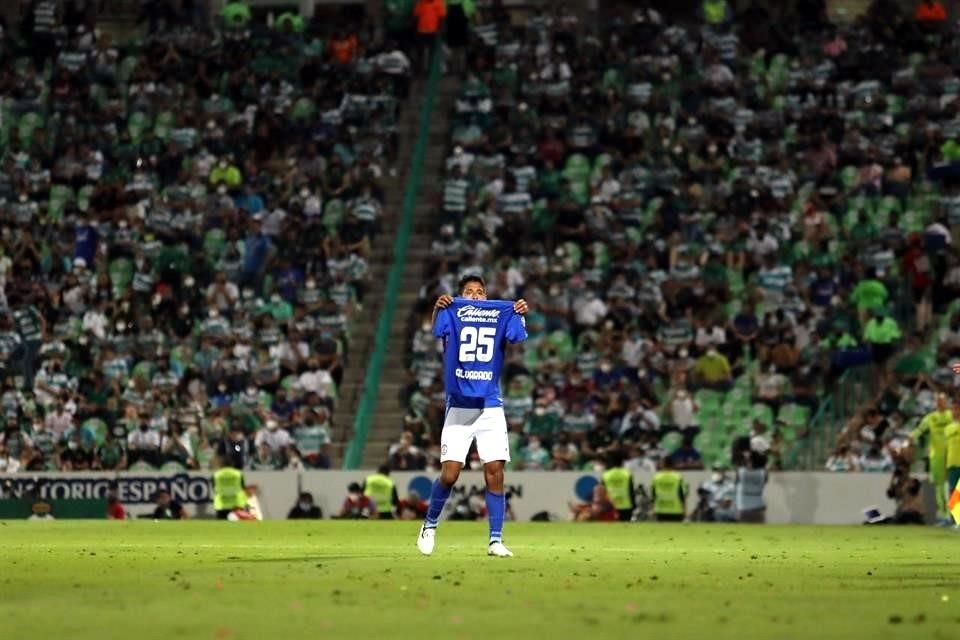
(467, 279)
(384, 469)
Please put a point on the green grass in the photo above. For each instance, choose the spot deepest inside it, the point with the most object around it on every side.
(226, 581)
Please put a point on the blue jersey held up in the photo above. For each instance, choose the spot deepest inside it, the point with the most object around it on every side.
(475, 333)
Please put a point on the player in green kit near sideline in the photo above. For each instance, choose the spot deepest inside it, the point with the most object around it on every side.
(934, 425)
(952, 438)
(475, 332)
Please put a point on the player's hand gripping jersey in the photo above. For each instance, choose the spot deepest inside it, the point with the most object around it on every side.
(475, 333)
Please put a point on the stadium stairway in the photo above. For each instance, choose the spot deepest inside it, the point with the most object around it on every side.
(387, 421)
(363, 327)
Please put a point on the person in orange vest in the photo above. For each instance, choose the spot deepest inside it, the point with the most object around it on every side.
(429, 15)
(930, 13)
(343, 47)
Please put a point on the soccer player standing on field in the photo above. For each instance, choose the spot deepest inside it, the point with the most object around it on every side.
(475, 332)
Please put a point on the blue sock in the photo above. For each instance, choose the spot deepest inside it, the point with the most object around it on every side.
(438, 498)
(496, 509)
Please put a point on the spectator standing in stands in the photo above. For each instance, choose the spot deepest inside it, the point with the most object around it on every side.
(305, 509)
(429, 15)
(459, 14)
(930, 13)
(398, 22)
(45, 17)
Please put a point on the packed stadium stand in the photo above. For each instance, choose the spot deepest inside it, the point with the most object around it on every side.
(192, 223)
(732, 235)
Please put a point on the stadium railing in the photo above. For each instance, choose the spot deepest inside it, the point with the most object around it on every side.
(367, 405)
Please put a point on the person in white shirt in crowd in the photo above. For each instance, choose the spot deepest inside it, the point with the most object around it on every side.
(315, 380)
(682, 409)
(842, 460)
(274, 436)
(769, 387)
(59, 420)
(143, 443)
(222, 294)
(590, 310)
(8, 463)
(875, 458)
(720, 491)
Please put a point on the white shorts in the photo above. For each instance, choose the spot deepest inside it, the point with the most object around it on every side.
(487, 426)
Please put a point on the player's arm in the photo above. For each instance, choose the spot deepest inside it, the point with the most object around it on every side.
(521, 306)
(921, 429)
(442, 302)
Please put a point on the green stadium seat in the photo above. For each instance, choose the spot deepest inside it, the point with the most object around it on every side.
(795, 415)
(763, 413)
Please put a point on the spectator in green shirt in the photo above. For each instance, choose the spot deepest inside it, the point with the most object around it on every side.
(882, 333)
(869, 293)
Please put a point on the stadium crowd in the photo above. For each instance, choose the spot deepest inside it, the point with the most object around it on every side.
(186, 222)
(711, 222)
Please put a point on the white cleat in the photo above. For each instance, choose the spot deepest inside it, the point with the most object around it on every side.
(426, 539)
(496, 548)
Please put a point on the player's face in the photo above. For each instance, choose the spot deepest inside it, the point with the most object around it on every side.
(474, 291)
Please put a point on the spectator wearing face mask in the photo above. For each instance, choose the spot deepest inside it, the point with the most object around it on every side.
(357, 506)
(712, 371)
(535, 456)
(719, 490)
(76, 456)
(682, 410)
(305, 509)
(143, 444)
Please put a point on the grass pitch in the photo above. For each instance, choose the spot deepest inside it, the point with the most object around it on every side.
(238, 581)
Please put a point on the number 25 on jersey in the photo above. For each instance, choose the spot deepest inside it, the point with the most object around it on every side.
(477, 344)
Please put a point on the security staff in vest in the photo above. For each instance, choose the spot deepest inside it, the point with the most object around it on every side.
(669, 491)
(619, 484)
(382, 490)
(229, 493)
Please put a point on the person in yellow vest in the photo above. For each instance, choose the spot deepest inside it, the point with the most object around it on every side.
(619, 484)
(716, 13)
(229, 493)
(382, 490)
(669, 493)
(933, 426)
(952, 439)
